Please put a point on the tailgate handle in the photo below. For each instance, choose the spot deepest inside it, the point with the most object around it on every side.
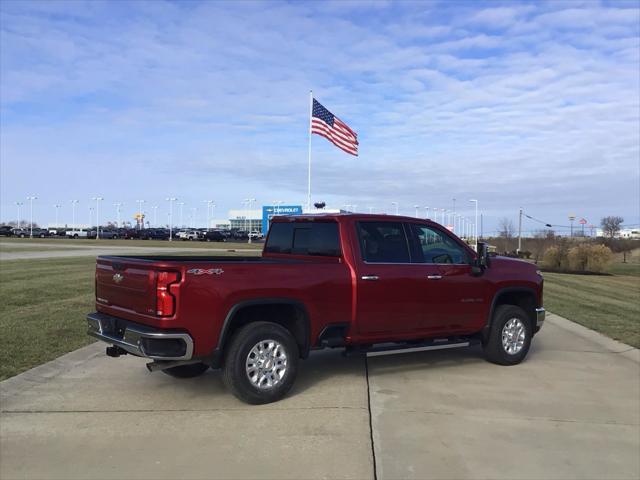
(370, 277)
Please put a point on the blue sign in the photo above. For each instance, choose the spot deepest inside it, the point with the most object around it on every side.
(269, 211)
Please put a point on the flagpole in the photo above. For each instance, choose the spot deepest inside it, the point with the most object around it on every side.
(309, 165)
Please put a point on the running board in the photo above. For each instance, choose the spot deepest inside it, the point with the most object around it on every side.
(392, 349)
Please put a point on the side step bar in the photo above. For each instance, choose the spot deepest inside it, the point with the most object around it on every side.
(394, 348)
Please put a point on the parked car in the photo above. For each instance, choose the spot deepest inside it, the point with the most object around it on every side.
(371, 284)
(255, 235)
(77, 233)
(20, 232)
(188, 235)
(129, 233)
(6, 231)
(214, 236)
(109, 232)
(154, 234)
(38, 232)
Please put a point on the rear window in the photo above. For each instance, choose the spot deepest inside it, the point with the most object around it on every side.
(304, 238)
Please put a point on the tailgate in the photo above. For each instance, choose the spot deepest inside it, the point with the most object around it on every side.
(126, 286)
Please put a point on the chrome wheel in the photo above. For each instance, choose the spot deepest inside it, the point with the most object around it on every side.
(513, 336)
(266, 364)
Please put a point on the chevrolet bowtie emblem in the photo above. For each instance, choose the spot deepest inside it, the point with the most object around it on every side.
(118, 277)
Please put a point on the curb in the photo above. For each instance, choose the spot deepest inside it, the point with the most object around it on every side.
(45, 372)
(609, 344)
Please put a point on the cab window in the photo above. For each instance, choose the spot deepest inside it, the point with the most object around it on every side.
(383, 242)
(304, 238)
(434, 246)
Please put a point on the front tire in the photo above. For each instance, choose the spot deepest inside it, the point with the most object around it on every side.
(510, 336)
(261, 363)
(187, 371)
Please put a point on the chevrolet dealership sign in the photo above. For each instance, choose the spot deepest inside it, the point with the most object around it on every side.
(269, 211)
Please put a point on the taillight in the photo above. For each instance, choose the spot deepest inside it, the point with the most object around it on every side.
(165, 300)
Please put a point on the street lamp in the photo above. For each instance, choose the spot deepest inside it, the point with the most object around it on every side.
(249, 202)
(416, 207)
(19, 205)
(171, 200)
(117, 205)
(31, 199)
(396, 205)
(155, 215)
(180, 222)
(140, 222)
(73, 214)
(57, 207)
(427, 214)
(209, 203)
(98, 200)
(475, 228)
(194, 214)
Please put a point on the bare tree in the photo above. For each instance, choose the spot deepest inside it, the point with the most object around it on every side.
(611, 226)
(506, 228)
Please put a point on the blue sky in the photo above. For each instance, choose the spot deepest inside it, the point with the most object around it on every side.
(514, 103)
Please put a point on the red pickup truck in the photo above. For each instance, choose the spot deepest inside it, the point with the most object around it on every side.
(371, 284)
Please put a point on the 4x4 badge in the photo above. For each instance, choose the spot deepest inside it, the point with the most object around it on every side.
(209, 271)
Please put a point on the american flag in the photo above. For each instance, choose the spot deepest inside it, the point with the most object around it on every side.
(325, 123)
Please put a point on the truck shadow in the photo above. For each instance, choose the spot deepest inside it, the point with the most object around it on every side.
(331, 372)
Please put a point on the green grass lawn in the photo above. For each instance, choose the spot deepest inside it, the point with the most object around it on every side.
(607, 304)
(43, 303)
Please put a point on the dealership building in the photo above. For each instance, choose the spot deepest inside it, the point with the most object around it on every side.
(258, 219)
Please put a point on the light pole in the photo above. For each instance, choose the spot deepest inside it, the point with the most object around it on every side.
(519, 231)
(355, 208)
(140, 221)
(181, 204)
(155, 215)
(454, 215)
(370, 210)
(90, 217)
(475, 227)
(117, 205)
(249, 204)
(19, 205)
(31, 199)
(73, 215)
(171, 200)
(416, 207)
(209, 203)
(194, 214)
(396, 205)
(57, 207)
(98, 200)
(427, 213)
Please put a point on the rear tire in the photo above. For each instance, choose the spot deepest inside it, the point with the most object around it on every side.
(261, 363)
(187, 371)
(510, 336)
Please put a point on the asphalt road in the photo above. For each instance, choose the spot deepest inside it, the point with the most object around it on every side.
(572, 410)
(58, 250)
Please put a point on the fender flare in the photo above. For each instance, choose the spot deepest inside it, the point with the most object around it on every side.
(224, 331)
(497, 295)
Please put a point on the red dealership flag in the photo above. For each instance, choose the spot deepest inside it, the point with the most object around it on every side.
(325, 123)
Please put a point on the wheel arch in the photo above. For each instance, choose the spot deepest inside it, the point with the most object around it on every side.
(289, 313)
(523, 297)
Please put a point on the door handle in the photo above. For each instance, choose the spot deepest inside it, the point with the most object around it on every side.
(434, 277)
(370, 277)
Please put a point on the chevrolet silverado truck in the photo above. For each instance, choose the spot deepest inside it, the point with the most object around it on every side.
(370, 284)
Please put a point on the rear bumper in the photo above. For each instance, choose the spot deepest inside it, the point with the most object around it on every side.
(140, 340)
(541, 313)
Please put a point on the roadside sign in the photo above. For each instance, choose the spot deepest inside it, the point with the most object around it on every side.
(582, 221)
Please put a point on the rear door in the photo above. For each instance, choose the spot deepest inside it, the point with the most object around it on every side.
(390, 292)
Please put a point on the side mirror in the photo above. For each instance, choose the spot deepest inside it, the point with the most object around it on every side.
(482, 261)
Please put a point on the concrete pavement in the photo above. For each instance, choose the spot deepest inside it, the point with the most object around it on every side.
(572, 410)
